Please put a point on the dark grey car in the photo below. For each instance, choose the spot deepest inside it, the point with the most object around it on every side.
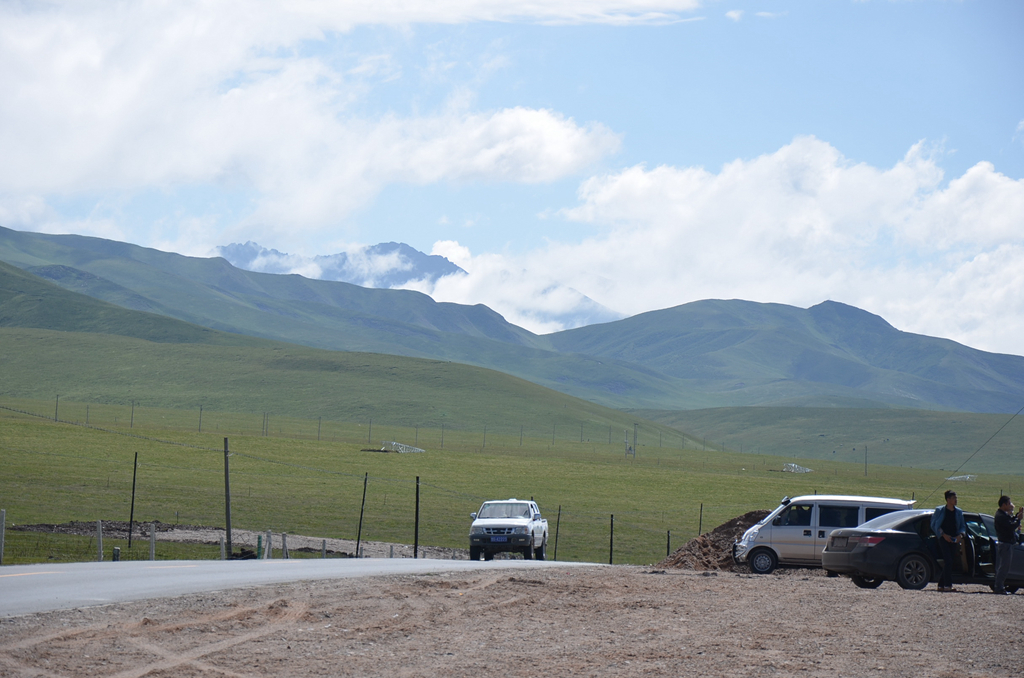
(901, 547)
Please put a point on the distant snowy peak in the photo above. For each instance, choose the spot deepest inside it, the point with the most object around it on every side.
(385, 265)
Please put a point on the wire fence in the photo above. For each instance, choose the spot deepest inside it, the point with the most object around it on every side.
(181, 482)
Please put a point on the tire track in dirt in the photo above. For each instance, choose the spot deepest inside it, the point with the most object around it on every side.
(150, 640)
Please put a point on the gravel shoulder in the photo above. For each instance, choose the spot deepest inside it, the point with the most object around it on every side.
(627, 621)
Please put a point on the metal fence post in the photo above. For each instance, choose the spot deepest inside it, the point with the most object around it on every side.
(227, 495)
(611, 540)
(3, 525)
(152, 541)
(416, 531)
(362, 507)
(558, 523)
(99, 540)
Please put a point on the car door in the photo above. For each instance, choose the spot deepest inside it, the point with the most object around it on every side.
(984, 545)
(833, 517)
(793, 533)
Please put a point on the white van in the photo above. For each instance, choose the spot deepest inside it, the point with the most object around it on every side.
(796, 532)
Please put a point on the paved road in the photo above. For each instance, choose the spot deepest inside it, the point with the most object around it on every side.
(26, 589)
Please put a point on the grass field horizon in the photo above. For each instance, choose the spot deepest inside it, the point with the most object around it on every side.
(288, 481)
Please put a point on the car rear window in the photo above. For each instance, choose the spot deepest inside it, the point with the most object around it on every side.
(890, 521)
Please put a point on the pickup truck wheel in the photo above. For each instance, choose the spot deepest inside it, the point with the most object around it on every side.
(542, 552)
(763, 561)
(488, 555)
(528, 553)
(474, 553)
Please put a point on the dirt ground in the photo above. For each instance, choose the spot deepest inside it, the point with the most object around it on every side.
(690, 615)
(600, 621)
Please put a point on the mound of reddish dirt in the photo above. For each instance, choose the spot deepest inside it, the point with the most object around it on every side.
(713, 550)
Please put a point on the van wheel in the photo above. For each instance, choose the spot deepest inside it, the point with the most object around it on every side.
(763, 561)
(913, 572)
(866, 582)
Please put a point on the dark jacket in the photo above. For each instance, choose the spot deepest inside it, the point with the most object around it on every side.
(1006, 527)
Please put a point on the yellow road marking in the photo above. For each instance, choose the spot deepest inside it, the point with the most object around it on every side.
(26, 574)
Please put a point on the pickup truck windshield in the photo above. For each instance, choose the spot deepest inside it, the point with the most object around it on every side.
(505, 511)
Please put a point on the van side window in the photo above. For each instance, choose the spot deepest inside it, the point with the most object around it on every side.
(837, 516)
(870, 513)
(796, 515)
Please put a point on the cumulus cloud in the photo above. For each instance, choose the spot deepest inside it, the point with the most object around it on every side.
(735, 14)
(106, 97)
(797, 226)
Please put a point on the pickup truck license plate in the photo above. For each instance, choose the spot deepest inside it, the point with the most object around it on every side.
(497, 539)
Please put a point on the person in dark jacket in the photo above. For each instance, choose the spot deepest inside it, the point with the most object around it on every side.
(1007, 525)
(950, 529)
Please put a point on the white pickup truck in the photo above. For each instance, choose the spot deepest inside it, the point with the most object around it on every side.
(508, 526)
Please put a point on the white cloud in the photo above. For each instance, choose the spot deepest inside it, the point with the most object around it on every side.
(127, 97)
(735, 14)
(797, 226)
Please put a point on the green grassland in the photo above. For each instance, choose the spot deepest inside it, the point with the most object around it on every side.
(288, 381)
(288, 481)
(938, 440)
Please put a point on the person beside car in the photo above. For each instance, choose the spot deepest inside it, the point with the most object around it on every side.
(1007, 525)
(950, 528)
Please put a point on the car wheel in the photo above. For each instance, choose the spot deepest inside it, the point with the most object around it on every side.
(866, 582)
(542, 552)
(763, 561)
(913, 572)
(474, 553)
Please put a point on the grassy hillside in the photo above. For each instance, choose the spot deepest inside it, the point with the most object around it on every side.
(323, 314)
(745, 353)
(29, 302)
(699, 355)
(284, 380)
(211, 292)
(940, 440)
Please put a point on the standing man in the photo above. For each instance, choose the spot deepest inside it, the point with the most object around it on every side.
(950, 528)
(1006, 532)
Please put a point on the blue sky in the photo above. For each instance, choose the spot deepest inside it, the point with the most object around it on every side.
(640, 153)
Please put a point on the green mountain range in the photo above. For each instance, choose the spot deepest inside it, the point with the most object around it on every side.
(698, 355)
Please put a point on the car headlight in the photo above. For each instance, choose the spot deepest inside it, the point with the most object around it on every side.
(476, 529)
